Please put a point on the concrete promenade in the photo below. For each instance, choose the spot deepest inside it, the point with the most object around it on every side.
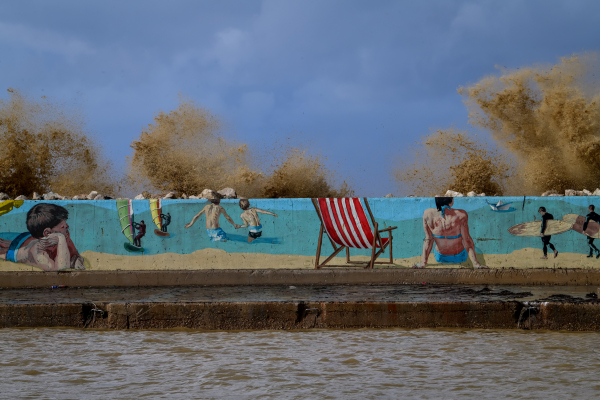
(233, 277)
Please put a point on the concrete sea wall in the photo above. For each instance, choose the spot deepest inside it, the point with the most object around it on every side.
(248, 277)
(306, 315)
(99, 234)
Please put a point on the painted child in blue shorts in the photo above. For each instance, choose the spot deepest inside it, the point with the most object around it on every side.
(251, 220)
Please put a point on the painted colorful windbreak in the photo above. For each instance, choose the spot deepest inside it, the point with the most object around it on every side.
(283, 233)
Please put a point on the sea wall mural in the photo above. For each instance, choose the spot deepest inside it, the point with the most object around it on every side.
(154, 234)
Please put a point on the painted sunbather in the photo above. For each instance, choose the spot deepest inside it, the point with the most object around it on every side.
(448, 228)
(251, 220)
(47, 244)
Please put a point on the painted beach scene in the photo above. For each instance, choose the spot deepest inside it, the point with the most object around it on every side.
(276, 199)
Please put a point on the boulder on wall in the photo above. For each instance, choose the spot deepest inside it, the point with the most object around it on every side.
(570, 192)
(209, 194)
(452, 193)
(228, 193)
(52, 196)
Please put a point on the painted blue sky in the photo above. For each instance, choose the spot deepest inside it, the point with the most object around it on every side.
(356, 81)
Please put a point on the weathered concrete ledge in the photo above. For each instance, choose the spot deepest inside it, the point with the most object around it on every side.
(306, 315)
(229, 277)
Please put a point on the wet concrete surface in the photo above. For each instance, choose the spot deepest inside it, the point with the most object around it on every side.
(308, 293)
(279, 277)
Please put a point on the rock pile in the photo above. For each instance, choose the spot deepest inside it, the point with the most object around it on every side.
(571, 192)
(452, 193)
(55, 196)
(226, 193)
(229, 193)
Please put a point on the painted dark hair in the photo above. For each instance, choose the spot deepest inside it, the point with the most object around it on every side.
(443, 201)
(215, 201)
(592, 207)
(244, 204)
(44, 215)
(542, 209)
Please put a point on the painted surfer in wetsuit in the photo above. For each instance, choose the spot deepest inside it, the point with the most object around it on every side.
(251, 220)
(166, 220)
(141, 228)
(592, 216)
(546, 216)
(448, 229)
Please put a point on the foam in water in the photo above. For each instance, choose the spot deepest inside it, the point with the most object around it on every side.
(183, 151)
(545, 122)
(45, 147)
(451, 159)
(548, 117)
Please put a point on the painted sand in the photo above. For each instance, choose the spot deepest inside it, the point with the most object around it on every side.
(219, 259)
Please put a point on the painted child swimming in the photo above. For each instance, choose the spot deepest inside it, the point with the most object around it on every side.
(213, 211)
(251, 220)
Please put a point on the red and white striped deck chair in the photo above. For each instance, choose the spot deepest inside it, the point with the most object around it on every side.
(347, 226)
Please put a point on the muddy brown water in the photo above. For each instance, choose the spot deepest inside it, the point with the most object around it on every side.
(335, 364)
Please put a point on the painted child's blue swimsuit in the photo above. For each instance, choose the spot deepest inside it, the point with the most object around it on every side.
(255, 232)
(454, 259)
(255, 229)
(216, 235)
(11, 255)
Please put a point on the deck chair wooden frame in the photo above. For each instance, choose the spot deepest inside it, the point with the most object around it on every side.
(369, 238)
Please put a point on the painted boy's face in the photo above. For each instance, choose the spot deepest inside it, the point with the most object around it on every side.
(62, 227)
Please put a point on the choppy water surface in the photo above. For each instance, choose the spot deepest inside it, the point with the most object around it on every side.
(366, 363)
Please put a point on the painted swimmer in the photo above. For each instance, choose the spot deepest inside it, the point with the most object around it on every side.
(449, 229)
(251, 220)
(213, 211)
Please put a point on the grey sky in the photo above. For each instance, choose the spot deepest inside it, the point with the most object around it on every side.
(357, 81)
